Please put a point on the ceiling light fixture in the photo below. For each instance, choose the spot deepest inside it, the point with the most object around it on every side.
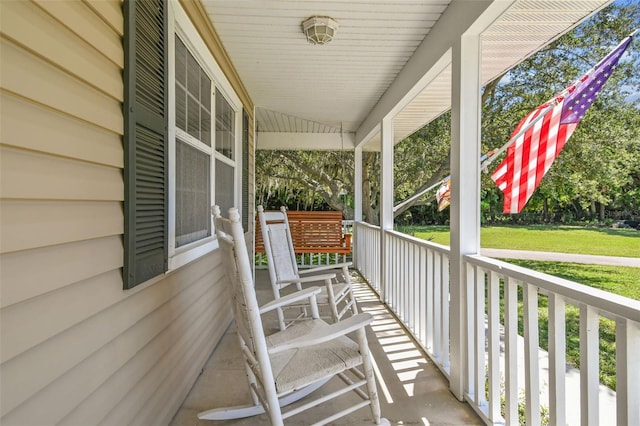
(319, 29)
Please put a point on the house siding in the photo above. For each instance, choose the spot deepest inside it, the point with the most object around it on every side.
(75, 348)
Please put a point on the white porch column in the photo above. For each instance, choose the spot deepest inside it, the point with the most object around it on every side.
(357, 194)
(357, 184)
(465, 197)
(386, 199)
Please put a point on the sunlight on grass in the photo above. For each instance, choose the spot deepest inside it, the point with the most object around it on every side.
(564, 239)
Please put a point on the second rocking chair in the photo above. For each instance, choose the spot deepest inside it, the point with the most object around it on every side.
(336, 295)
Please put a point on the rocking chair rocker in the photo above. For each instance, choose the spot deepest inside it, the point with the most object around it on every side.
(289, 364)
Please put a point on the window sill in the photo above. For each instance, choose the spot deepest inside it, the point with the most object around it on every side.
(191, 252)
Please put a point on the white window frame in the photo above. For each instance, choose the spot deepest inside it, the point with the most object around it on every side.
(179, 24)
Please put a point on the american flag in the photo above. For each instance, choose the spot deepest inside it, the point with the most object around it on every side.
(541, 135)
(443, 195)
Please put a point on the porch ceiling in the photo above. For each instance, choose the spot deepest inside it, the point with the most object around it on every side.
(311, 97)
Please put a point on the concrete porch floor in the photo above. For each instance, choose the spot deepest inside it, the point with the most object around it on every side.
(412, 390)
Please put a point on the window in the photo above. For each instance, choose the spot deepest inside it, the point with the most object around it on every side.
(203, 146)
(225, 153)
(182, 136)
(192, 148)
(225, 127)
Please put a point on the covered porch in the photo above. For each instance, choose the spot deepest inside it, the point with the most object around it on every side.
(476, 318)
(84, 340)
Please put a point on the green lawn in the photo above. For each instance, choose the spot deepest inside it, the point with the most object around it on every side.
(615, 279)
(620, 280)
(562, 239)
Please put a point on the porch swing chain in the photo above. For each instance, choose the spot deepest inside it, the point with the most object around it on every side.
(344, 169)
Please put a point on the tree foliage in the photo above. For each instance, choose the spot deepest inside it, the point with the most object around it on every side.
(597, 174)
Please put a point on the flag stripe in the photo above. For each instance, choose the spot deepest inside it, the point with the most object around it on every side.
(546, 131)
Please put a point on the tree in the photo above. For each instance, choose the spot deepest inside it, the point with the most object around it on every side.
(314, 178)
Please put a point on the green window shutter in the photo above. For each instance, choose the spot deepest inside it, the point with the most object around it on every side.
(245, 170)
(145, 140)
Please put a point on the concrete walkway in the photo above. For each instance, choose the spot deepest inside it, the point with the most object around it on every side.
(633, 262)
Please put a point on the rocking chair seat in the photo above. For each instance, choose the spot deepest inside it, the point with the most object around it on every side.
(294, 368)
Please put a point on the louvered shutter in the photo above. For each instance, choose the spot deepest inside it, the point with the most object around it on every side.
(145, 140)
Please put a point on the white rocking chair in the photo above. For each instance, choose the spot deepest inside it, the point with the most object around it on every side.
(289, 364)
(336, 294)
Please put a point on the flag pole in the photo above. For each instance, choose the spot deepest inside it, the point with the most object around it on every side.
(424, 191)
(419, 194)
(552, 104)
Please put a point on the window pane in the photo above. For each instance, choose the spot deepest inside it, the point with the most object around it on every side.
(193, 95)
(181, 78)
(224, 186)
(205, 110)
(205, 91)
(193, 115)
(181, 60)
(181, 107)
(205, 126)
(193, 76)
(193, 194)
(225, 129)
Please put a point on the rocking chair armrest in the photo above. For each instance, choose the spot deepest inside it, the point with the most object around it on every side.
(309, 279)
(325, 268)
(307, 293)
(325, 334)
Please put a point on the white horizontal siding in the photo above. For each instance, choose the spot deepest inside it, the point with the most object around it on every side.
(31, 77)
(57, 133)
(28, 175)
(30, 273)
(33, 224)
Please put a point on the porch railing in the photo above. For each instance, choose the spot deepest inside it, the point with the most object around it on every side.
(500, 363)
(367, 258)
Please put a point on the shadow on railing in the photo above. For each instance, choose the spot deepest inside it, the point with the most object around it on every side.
(508, 309)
